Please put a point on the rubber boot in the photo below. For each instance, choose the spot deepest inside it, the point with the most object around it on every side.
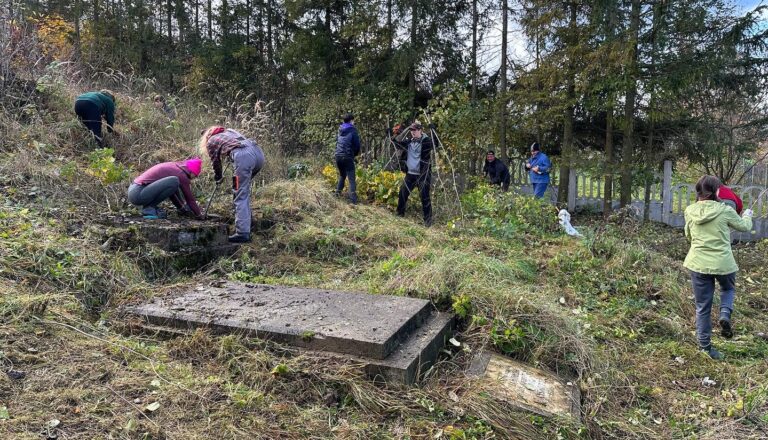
(714, 354)
(239, 238)
(726, 329)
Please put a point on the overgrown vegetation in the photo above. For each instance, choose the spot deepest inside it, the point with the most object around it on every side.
(612, 312)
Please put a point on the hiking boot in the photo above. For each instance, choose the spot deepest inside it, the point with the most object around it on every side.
(714, 354)
(149, 213)
(726, 330)
(239, 238)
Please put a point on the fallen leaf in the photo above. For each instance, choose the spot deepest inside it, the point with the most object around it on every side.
(53, 423)
(4, 415)
(155, 383)
(454, 342)
(453, 396)
(152, 407)
(131, 425)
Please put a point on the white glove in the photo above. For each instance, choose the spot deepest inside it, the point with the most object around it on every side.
(747, 213)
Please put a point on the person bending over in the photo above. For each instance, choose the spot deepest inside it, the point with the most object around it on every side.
(248, 159)
(91, 107)
(163, 181)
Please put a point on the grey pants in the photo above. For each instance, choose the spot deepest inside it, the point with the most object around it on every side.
(152, 194)
(703, 292)
(248, 161)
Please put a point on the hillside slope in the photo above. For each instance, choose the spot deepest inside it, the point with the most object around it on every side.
(612, 311)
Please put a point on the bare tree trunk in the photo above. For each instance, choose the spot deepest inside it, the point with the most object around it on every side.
(269, 31)
(567, 151)
(608, 167)
(390, 28)
(628, 147)
(474, 50)
(210, 20)
(503, 84)
(412, 68)
(248, 22)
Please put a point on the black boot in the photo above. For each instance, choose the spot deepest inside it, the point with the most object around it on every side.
(239, 238)
(726, 329)
(714, 354)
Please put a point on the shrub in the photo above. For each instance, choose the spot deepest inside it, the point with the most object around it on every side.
(373, 184)
(103, 166)
(507, 215)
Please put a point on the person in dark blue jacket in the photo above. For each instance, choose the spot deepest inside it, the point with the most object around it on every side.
(496, 171)
(347, 148)
(538, 167)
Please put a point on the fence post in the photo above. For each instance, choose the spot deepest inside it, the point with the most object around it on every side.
(666, 204)
(572, 189)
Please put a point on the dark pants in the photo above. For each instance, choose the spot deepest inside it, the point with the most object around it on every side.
(539, 189)
(503, 183)
(703, 293)
(346, 166)
(423, 182)
(151, 195)
(90, 115)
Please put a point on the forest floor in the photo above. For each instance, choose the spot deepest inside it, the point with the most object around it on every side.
(612, 312)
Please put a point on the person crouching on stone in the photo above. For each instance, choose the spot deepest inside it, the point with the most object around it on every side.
(347, 148)
(163, 181)
(416, 154)
(91, 107)
(247, 158)
(710, 258)
(496, 171)
(162, 105)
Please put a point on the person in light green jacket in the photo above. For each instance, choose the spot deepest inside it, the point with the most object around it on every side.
(707, 226)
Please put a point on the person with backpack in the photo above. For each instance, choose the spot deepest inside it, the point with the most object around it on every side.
(247, 158)
(538, 167)
(710, 258)
(347, 148)
(163, 181)
(730, 198)
(91, 107)
(496, 171)
(416, 162)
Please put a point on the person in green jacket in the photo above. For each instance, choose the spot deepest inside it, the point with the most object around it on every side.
(710, 258)
(91, 107)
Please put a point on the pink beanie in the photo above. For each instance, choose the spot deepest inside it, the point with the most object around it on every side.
(194, 165)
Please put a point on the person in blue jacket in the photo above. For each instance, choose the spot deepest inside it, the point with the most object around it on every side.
(538, 167)
(91, 107)
(347, 148)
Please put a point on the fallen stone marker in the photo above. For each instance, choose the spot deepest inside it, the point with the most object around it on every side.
(525, 387)
(394, 337)
(166, 245)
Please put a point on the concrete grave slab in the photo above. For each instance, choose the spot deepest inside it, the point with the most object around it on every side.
(369, 326)
(526, 387)
(175, 234)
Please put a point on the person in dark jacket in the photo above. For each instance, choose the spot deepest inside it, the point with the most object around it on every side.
(163, 181)
(416, 162)
(91, 107)
(247, 158)
(496, 171)
(347, 148)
